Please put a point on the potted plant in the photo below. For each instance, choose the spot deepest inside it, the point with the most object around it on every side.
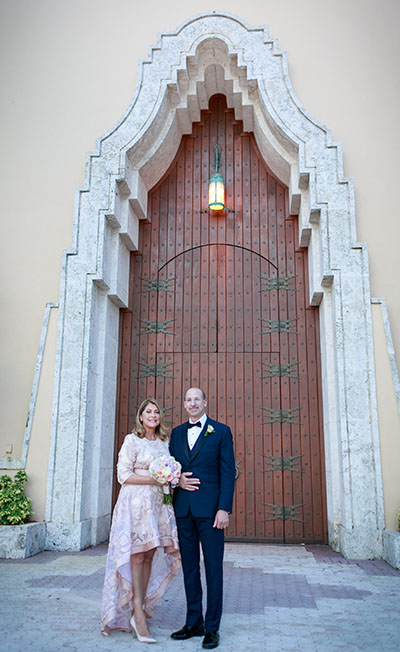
(18, 538)
(15, 507)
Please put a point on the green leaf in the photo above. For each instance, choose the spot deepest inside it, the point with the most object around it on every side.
(15, 506)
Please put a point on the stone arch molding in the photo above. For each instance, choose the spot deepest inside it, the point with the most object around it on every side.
(211, 53)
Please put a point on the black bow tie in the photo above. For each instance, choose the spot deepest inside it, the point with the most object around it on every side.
(192, 425)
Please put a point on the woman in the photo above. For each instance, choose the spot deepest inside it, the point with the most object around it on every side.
(143, 551)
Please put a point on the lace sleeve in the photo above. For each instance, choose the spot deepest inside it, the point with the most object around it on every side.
(126, 459)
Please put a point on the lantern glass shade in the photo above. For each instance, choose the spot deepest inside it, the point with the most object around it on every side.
(216, 193)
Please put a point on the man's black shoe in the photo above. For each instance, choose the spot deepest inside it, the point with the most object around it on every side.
(210, 640)
(188, 632)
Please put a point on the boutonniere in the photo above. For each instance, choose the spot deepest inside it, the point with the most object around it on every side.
(209, 430)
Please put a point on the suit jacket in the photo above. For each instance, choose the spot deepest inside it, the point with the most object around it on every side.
(212, 461)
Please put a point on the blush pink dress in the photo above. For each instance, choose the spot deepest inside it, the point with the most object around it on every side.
(140, 522)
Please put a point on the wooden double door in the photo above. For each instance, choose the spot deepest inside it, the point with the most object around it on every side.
(220, 302)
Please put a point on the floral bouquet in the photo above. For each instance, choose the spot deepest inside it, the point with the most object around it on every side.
(166, 470)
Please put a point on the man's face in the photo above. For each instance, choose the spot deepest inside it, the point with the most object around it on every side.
(194, 403)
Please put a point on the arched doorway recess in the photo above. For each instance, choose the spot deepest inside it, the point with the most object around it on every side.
(208, 54)
(220, 301)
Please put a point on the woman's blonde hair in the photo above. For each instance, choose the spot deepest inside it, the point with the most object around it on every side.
(161, 431)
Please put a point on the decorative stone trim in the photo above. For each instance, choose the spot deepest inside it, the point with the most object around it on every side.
(213, 53)
(21, 541)
(391, 548)
(390, 347)
(20, 463)
(77, 536)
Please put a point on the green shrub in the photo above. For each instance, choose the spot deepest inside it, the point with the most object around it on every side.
(15, 507)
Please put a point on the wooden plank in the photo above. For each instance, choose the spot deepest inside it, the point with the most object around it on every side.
(187, 290)
(255, 396)
(246, 188)
(196, 188)
(195, 312)
(221, 298)
(180, 244)
(188, 194)
(230, 299)
(255, 163)
(242, 437)
(204, 128)
(289, 385)
(303, 396)
(179, 388)
(247, 290)
(212, 384)
(213, 300)
(204, 299)
(213, 141)
(221, 394)
(229, 218)
(238, 189)
(172, 208)
(230, 418)
(239, 302)
(221, 140)
(135, 284)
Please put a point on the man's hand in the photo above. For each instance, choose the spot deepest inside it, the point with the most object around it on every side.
(221, 519)
(188, 483)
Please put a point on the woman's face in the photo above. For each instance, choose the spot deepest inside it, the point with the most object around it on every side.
(150, 417)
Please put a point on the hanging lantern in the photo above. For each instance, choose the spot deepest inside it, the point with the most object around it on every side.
(216, 188)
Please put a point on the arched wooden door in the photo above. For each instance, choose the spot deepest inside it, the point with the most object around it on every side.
(220, 302)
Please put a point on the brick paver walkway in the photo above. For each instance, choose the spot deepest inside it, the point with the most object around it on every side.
(277, 599)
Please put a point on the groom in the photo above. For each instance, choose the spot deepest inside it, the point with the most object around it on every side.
(202, 503)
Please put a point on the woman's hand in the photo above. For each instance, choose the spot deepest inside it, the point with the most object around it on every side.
(138, 479)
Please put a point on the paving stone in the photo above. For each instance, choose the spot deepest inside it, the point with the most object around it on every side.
(277, 599)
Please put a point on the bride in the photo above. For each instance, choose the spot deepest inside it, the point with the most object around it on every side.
(143, 551)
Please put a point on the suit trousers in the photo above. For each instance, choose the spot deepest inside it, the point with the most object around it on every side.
(191, 532)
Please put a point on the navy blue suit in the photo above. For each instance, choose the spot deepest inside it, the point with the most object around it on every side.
(212, 461)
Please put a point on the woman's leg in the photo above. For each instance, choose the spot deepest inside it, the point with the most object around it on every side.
(147, 561)
(141, 568)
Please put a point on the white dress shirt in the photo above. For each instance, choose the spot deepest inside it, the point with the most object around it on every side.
(194, 432)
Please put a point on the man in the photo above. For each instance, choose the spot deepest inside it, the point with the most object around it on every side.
(202, 503)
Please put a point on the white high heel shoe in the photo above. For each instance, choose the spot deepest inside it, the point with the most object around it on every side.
(140, 638)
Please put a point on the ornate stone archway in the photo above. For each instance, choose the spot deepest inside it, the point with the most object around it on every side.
(208, 54)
